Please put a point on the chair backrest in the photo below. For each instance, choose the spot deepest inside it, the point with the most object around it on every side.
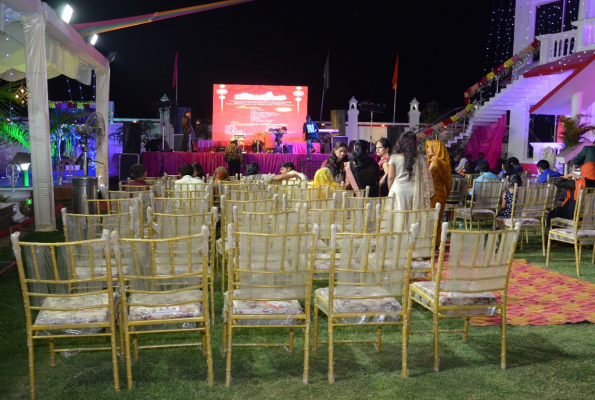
(179, 189)
(166, 205)
(163, 226)
(352, 220)
(268, 222)
(88, 226)
(174, 268)
(469, 179)
(584, 211)
(530, 201)
(134, 188)
(322, 204)
(428, 220)
(69, 269)
(530, 179)
(371, 265)
(458, 190)
(486, 194)
(110, 206)
(477, 261)
(273, 267)
(207, 191)
(553, 194)
(250, 195)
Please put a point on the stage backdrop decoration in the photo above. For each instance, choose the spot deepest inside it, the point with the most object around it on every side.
(251, 109)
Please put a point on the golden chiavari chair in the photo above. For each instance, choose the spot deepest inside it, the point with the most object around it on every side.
(484, 203)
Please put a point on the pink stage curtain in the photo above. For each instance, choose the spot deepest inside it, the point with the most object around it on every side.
(488, 140)
(212, 145)
(268, 163)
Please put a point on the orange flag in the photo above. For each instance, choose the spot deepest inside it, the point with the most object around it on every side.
(396, 73)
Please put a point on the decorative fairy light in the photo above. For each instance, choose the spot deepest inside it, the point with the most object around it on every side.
(222, 92)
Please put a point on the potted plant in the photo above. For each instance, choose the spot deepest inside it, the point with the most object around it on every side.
(574, 130)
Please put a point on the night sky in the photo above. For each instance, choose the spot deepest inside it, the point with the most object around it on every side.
(441, 44)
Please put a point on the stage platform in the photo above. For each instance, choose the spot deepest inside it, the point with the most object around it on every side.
(268, 163)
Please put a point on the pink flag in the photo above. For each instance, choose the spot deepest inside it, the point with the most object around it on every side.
(175, 72)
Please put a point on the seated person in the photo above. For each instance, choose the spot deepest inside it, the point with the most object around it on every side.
(138, 174)
(508, 196)
(573, 183)
(253, 174)
(323, 178)
(186, 181)
(515, 164)
(199, 173)
(486, 176)
(461, 167)
(543, 166)
(479, 160)
(289, 168)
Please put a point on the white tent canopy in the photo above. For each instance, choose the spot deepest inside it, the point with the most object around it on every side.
(36, 44)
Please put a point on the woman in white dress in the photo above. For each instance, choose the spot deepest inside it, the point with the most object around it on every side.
(409, 178)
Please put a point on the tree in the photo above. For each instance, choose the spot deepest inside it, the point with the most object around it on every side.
(431, 112)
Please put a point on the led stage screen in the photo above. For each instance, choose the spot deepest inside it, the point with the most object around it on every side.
(251, 109)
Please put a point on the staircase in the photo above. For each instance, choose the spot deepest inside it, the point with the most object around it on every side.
(520, 91)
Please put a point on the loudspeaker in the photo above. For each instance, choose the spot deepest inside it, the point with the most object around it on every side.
(393, 133)
(336, 139)
(338, 121)
(126, 161)
(178, 142)
(131, 138)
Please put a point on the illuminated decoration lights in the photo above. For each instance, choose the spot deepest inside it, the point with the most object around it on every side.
(501, 37)
(298, 93)
(512, 62)
(556, 17)
(73, 105)
(440, 126)
(21, 96)
(222, 92)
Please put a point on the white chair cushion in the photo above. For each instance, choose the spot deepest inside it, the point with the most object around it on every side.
(476, 211)
(456, 298)
(569, 234)
(69, 317)
(165, 311)
(525, 221)
(388, 305)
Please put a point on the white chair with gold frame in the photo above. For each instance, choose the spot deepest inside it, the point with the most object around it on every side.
(160, 297)
(68, 306)
(270, 284)
(484, 203)
(372, 272)
(477, 264)
(582, 232)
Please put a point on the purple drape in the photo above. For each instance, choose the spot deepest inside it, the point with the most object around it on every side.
(268, 163)
(488, 140)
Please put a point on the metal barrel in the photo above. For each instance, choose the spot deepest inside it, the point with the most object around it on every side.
(81, 186)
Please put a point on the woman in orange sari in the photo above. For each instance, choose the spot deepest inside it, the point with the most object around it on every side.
(440, 169)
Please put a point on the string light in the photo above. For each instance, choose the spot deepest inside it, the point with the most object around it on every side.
(501, 34)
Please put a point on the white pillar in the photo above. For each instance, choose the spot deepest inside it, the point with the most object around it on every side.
(39, 121)
(102, 78)
(576, 104)
(352, 130)
(518, 133)
(413, 114)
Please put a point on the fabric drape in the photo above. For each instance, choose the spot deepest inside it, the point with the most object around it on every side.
(440, 169)
(488, 140)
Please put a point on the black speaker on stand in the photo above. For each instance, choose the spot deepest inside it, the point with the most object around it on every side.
(132, 138)
(393, 133)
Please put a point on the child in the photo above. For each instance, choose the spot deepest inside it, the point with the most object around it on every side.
(508, 195)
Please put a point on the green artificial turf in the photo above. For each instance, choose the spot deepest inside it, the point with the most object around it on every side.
(544, 362)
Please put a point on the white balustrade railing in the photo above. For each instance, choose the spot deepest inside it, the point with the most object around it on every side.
(585, 34)
(557, 45)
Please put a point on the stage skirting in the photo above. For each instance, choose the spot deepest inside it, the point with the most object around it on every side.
(268, 163)
(212, 145)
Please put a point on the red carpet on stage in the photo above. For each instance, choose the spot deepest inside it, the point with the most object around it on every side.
(538, 296)
(269, 163)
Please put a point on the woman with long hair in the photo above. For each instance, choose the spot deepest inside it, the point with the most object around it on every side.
(336, 161)
(409, 179)
(383, 153)
(441, 175)
(362, 170)
(198, 171)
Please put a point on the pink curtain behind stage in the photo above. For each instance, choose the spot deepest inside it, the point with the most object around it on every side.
(212, 145)
(488, 140)
(268, 163)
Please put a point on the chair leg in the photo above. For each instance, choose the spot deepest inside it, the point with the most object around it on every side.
(52, 353)
(114, 346)
(331, 367)
(212, 298)
(543, 241)
(135, 345)
(593, 255)
(291, 338)
(315, 335)
(31, 353)
(378, 338)
(577, 255)
(306, 350)
(405, 336)
(503, 324)
(209, 351)
(436, 359)
(549, 247)
(128, 359)
(228, 351)
(466, 332)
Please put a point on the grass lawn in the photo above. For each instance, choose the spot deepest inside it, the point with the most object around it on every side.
(544, 362)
